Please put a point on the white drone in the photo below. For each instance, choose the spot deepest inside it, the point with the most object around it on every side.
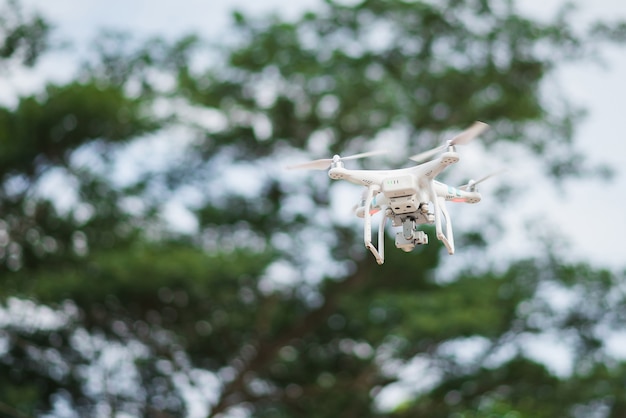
(409, 197)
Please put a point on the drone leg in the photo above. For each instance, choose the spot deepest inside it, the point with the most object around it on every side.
(448, 238)
(440, 209)
(367, 227)
(381, 235)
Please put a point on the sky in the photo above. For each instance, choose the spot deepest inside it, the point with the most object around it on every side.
(592, 212)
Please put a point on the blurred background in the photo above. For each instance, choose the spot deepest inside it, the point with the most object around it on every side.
(158, 260)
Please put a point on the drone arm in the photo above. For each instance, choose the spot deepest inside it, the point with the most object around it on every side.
(367, 228)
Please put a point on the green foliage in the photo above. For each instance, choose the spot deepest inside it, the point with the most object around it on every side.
(271, 305)
(23, 38)
(502, 393)
(48, 127)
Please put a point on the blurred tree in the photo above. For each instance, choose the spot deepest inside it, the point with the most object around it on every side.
(270, 307)
(23, 38)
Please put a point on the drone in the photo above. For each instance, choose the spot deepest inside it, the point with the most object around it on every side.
(408, 197)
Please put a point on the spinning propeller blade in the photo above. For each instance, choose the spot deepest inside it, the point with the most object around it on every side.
(470, 133)
(472, 183)
(463, 138)
(427, 155)
(324, 163)
(364, 155)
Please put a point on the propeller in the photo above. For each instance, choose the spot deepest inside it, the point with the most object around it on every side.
(463, 138)
(324, 163)
(471, 185)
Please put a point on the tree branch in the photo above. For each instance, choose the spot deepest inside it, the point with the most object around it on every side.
(267, 350)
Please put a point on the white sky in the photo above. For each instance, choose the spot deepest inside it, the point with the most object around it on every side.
(589, 212)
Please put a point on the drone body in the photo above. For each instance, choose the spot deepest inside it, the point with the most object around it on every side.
(409, 197)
